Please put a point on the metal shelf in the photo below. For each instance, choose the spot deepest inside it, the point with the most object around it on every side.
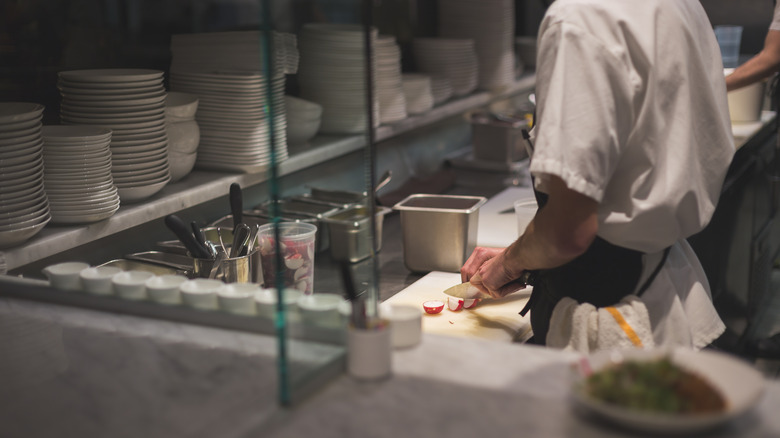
(203, 186)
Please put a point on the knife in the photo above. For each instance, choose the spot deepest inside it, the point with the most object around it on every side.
(468, 291)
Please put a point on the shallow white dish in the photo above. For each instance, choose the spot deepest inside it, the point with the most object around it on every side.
(266, 299)
(131, 284)
(201, 293)
(65, 275)
(740, 384)
(98, 280)
(164, 289)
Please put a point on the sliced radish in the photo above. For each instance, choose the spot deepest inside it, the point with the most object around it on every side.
(433, 306)
(470, 304)
(293, 261)
(454, 304)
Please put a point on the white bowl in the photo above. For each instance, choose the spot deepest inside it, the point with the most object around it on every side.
(181, 164)
(265, 301)
(164, 289)
(299, 131)
(183, 136)
(201, 293)
(321, 309)
(297, 107)
(405, 323)
(181, 105)
(98, 280)
(238, 298)
(66, 275)
(131, 285)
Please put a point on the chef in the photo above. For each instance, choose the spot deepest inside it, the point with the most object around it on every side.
(631, 146)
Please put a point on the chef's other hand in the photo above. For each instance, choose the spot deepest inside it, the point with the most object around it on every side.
(477, 258)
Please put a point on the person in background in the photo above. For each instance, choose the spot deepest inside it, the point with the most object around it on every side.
(630, 154)
(762, 65)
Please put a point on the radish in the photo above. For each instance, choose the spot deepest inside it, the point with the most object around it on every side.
(454, 304)
(470, 304)
(433, 306)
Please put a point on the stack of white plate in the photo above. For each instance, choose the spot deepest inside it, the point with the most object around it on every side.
(417, 89)
(244, 50)
(77, 173)
(455, 59)
(441, 89)
(24, 209)
(235, 129)
(389, 92)
(491, 24)
(130, 102)
(332, 72)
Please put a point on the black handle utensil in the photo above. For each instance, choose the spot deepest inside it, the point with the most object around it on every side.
(180, 229)
(201, 239)
(236, 205)
(240, 240)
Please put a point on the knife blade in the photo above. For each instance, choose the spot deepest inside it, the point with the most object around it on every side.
(468, 291)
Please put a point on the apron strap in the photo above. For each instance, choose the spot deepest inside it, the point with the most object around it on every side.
(655, 272)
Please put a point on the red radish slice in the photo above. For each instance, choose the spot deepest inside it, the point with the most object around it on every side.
(293, 261)
(433, 306)
(454, 304)
(470, 304)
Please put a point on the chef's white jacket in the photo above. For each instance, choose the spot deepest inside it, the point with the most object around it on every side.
(632, 113)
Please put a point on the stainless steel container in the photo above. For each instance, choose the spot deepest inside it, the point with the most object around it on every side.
(439, 231)
(496, 138)
(350, 232)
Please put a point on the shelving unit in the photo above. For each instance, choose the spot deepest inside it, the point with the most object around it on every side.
(204, 186)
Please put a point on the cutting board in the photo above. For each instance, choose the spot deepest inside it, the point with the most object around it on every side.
(496, 229)
(490, 319)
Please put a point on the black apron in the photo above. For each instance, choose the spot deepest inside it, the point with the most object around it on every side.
(602, 276)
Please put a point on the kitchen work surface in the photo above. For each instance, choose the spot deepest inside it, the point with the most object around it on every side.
(496, 229)
(498, 320)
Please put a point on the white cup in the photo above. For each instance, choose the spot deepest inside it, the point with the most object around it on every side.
(164, 289)
(201, 293)
(525, 210)
(369, 352)
(238, 298)
(405, 324)
(266, 299)
(321, 310)
(98, 280)
(66, 275)
(131, 285)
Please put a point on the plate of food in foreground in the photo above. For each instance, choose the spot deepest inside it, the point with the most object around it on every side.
(667, 391)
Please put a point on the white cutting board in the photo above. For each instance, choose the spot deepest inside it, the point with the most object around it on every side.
(490, 319)
(500, 230)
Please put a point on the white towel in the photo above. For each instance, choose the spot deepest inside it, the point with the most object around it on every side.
(585, 328)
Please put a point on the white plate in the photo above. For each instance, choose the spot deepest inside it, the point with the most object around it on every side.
(14, 112)
(740, 384)
(111, 75)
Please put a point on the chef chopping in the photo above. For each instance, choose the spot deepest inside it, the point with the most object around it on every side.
(631, 144)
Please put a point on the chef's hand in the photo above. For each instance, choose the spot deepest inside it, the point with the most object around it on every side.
(489, 271)
(476, 260)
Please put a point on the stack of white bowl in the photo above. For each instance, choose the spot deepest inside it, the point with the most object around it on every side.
(242, 50)
(491, 24)
(130, 102)
(236, 131)
(183, 133)
(303, 120)
(441, 89)
(453, 58)
(77, 174)
(24, 209)
(332, 72)
(389, 92)
(417, 89)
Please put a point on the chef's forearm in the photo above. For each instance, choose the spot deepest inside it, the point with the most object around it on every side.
(759, 67)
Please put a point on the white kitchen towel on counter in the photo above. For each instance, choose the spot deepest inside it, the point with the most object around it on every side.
(500, 230)
(585, 328)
